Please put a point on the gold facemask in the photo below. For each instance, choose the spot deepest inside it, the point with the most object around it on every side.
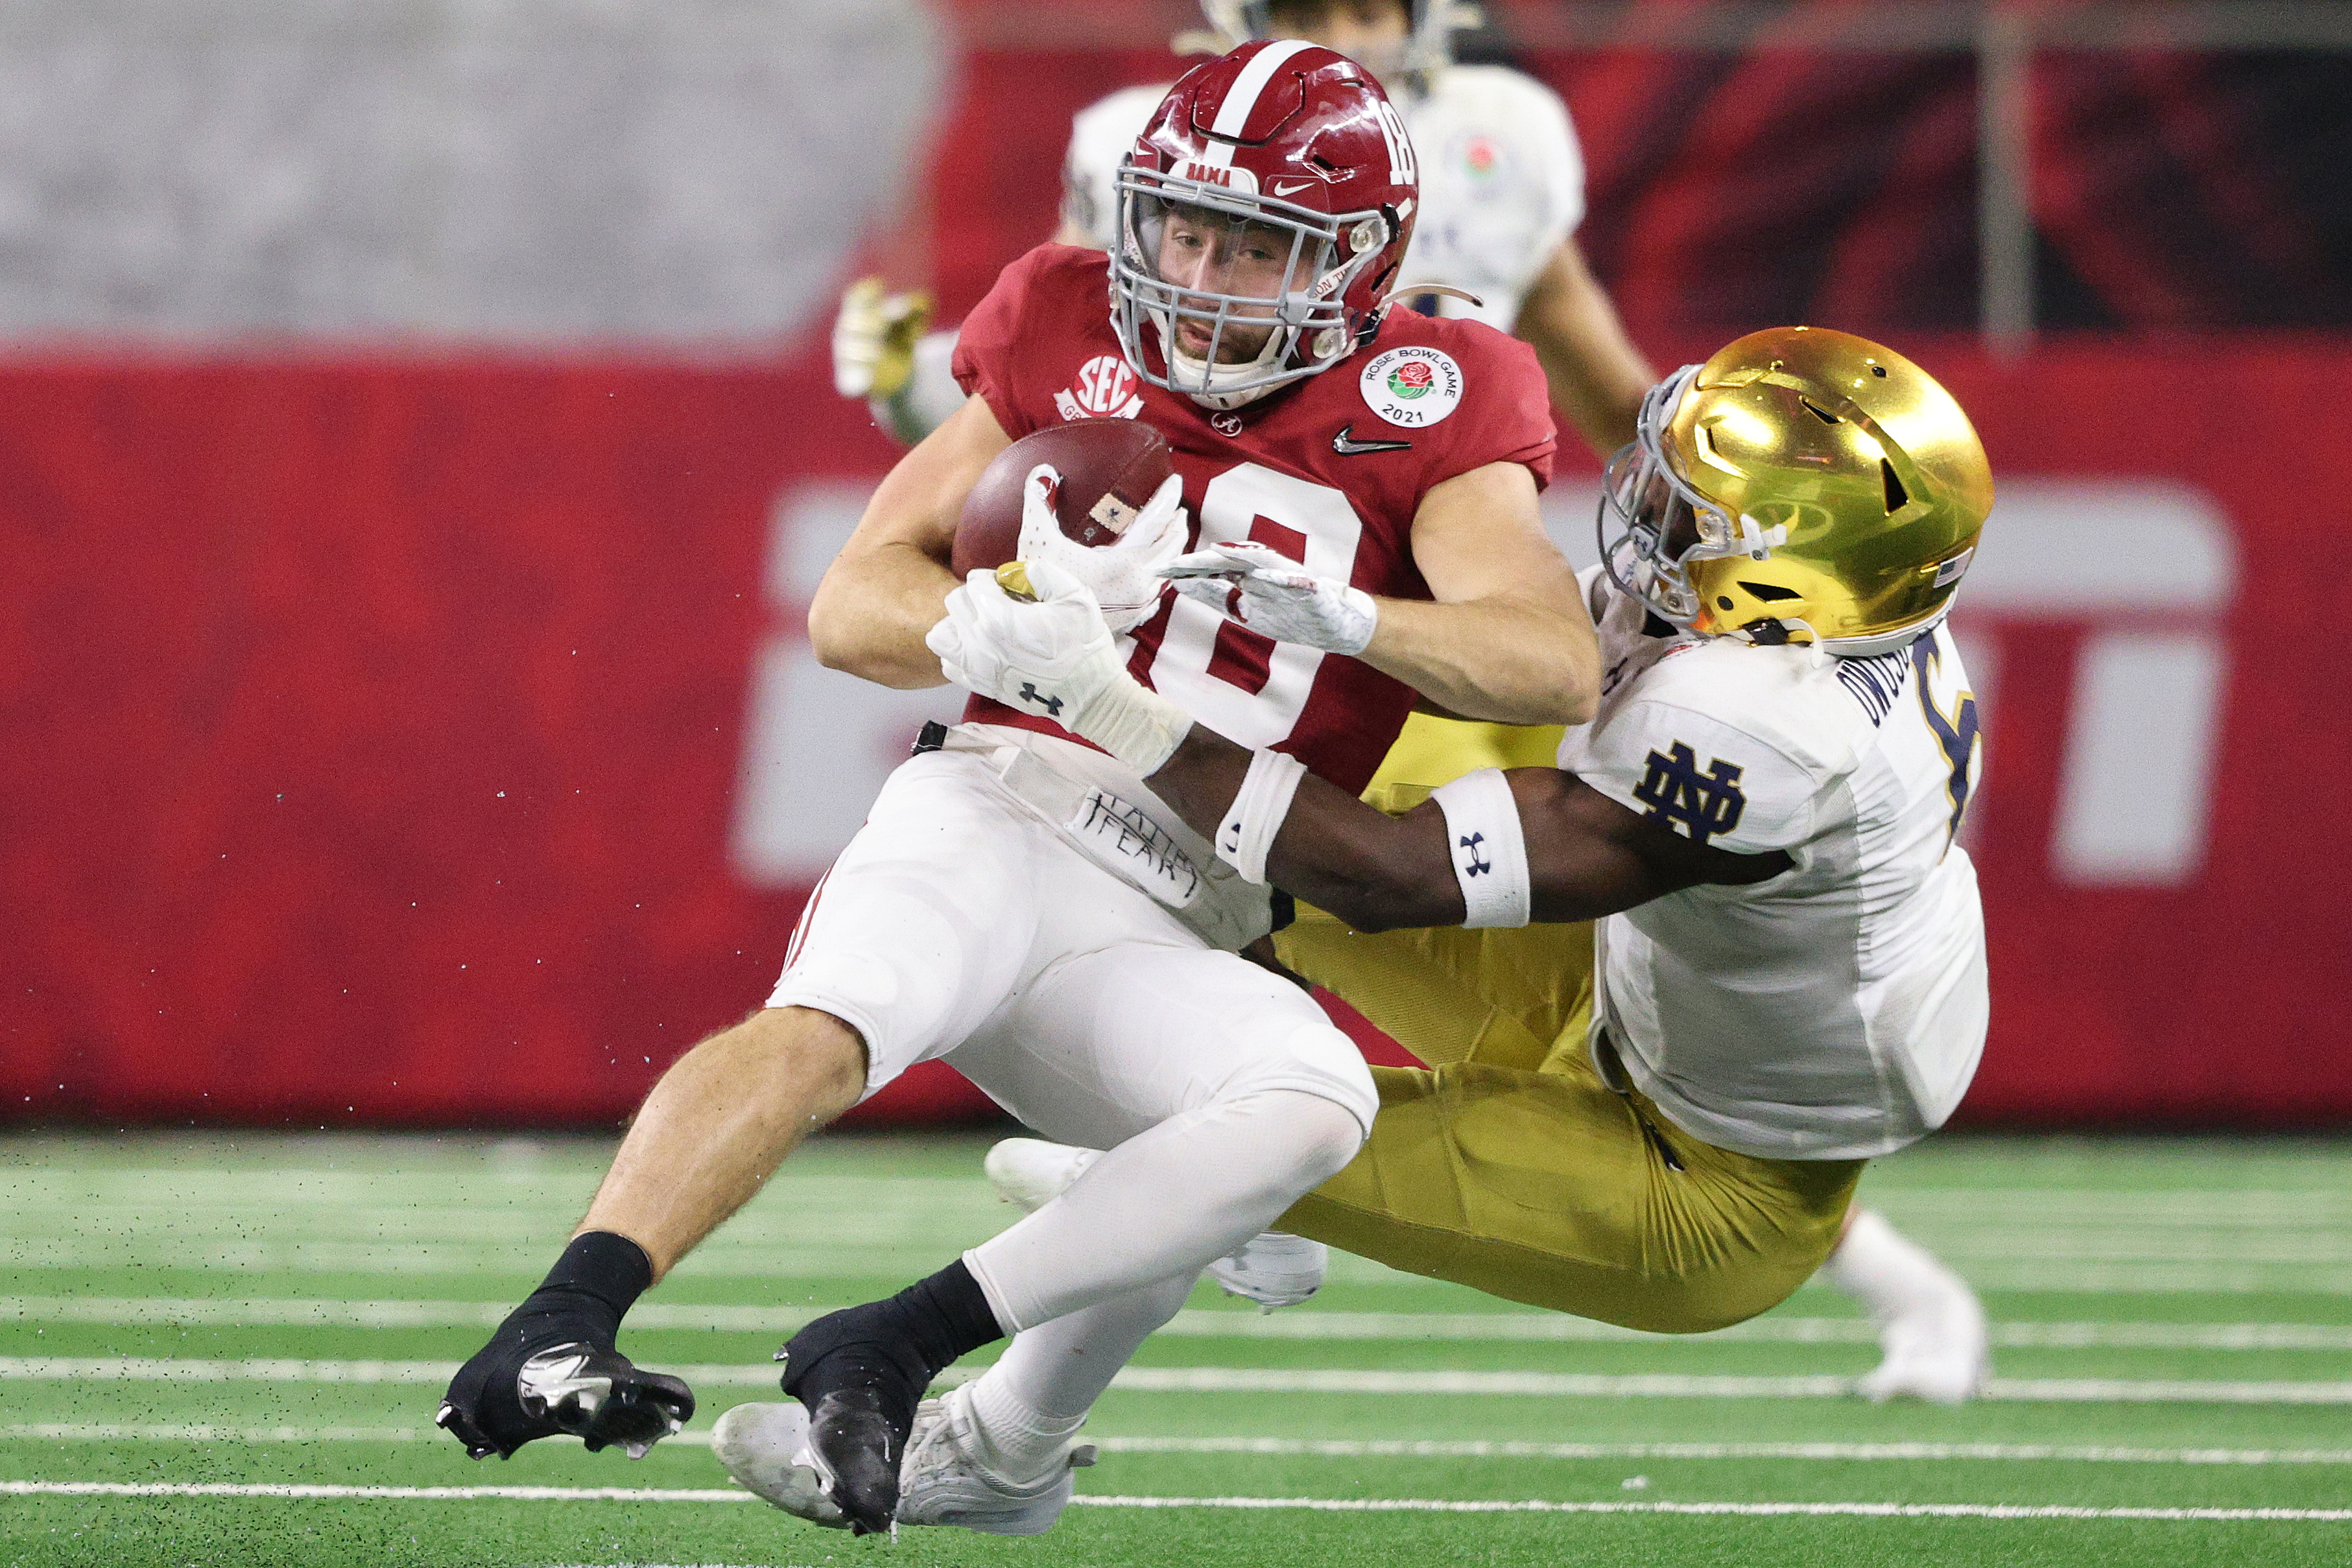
(1802, 485)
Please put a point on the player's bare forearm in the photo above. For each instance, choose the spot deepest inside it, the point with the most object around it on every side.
(871, 612)
(889, 585)
(1508, 659)
(1597, 375)
(1375, 872)
(1587, 854)
(1507, 638)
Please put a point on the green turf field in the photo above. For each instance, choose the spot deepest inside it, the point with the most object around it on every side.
(273, 1319)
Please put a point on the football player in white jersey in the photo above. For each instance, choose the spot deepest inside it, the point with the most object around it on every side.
(1502, 194)
(1762, 820)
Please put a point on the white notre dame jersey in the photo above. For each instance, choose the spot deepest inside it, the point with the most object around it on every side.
(1502, 181)
(1837, 1010)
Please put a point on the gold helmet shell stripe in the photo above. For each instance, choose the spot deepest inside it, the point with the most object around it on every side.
(1801, 485)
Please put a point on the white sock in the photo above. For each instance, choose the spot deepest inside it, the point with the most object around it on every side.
(1888, 1274)
(1017, 1442)
(1039, 1393)
(1164, 1204)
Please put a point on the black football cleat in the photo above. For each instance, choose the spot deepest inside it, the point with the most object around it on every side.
(861, 1384)
(862, 1370)
(502, 1399)
(855, 1447)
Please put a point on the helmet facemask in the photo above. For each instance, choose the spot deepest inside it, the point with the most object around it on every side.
(1246, 292)
(1665, 524)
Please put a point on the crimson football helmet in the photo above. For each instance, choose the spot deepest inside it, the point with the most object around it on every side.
(1262, 215)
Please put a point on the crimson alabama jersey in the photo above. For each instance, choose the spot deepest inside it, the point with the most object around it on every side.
(1329, 471)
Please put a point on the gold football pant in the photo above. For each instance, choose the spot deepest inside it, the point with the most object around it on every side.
(1509, 1165)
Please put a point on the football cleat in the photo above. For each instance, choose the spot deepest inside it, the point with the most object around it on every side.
(1936, 1350)
(860, 1386)
(941, 1480)
(766, 1448)
(1275, 1269)
(946, 1481)
(596, 1396)
(1033, 1172)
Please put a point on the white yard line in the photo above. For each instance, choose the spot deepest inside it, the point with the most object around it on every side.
(1440, 1449)
(2162, 1271)
(1675, 1385)
(1309, 1324)
(1319, 1505)
(1302, 1447)
(1248, 1380)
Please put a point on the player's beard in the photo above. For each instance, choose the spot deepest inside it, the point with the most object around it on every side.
(1240, 342)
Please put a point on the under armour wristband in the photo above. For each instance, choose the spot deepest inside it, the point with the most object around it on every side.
(1256, 814)
(1490, 853)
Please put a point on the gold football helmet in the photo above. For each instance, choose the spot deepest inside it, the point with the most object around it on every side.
(1801, 485)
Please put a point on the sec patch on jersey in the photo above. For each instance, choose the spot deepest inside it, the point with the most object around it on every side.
(1415, 385)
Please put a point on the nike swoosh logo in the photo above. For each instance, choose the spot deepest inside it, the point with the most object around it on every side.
(1294, 190)
(1347, 446)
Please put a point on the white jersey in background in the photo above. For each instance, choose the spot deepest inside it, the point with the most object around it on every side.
(1836, 1011)
(1502, 181)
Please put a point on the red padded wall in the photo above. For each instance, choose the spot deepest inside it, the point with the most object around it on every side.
(371, 728)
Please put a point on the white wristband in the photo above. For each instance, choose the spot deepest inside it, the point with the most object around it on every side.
(1256, 814)
(1490, 853)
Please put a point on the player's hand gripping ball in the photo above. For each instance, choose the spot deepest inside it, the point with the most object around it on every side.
(1030, 634)
(1268, 592)
(1098, 498)
(1026, 625)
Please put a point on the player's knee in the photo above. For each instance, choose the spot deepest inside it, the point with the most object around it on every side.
(825, 1053)
(1320, 1134)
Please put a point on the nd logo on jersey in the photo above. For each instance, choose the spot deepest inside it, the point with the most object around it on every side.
(1702, 804)
(1104, 388)
(1415, 386)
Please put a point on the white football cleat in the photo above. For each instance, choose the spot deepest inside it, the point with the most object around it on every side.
(766, 1448)
(1033, 1172)
(1936, 1350)
(944, 1480)
(1274, 1270)
(1930, 1323)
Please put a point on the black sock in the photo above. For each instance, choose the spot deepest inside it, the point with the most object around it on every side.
(923, 1330)
(594, 1283)
(948, 1314)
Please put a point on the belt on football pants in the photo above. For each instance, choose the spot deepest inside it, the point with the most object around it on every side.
(1132, 842)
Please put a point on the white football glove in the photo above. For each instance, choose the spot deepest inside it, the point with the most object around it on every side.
(1268, 592)
(874, 339)
(1124, 577)
(1053, 657)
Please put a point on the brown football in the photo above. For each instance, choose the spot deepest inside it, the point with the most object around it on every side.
(1108, 466)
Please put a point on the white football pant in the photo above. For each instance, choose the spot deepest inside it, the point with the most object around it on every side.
(960, 923)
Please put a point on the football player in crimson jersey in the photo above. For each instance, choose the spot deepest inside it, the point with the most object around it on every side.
(1017, 902)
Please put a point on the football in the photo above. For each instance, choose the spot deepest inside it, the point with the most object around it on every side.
(1108, 466)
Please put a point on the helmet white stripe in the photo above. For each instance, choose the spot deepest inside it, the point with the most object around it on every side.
(1234, 112)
